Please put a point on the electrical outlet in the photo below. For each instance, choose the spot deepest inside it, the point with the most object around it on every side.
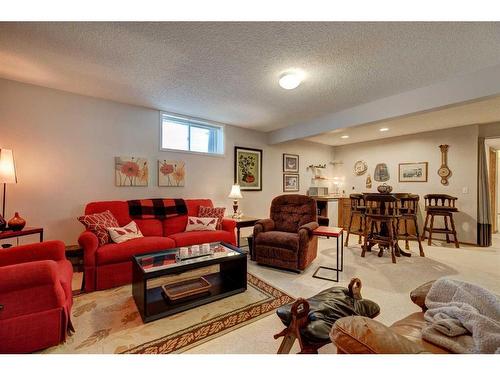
(465, 190)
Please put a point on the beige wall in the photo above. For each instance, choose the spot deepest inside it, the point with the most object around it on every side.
(462, 160)
(65, 145)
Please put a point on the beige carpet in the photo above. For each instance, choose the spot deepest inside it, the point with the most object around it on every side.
(108, 321)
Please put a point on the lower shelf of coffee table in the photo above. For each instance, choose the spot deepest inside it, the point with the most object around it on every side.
(156, 306)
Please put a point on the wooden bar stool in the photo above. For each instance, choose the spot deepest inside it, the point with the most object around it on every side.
(381, 216)
(408, 209)
(440, 205)
(357, 210)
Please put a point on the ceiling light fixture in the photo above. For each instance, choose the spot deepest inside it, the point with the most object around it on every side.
(384, 129)
(289, 81)
(345, 136)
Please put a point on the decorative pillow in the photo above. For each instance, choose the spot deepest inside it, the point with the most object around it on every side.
(122, 234)
(201, 223)
(98, 224)
(217, 212)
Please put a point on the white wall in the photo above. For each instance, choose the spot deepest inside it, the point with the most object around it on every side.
(65, 144)
(462, 160)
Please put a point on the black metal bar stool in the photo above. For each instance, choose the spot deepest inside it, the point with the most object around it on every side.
(357, 210)
(381, 215)
(408, 209)
(440, 205)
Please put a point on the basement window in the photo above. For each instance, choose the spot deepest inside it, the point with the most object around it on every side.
(180, 133)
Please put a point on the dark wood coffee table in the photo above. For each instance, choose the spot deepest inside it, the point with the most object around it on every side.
(230, 279)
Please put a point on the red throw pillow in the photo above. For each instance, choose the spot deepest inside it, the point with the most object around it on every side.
(217, 212)
(99, 224)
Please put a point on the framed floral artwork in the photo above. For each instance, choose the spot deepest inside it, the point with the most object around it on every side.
(131, 171)
(290, 163)
(248, 168)
(171, 173)
(290, 182)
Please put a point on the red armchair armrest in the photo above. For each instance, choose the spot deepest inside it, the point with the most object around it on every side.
(30, 287)
(49, 250)
(89, 242)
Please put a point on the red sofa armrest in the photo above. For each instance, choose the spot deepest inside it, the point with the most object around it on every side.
(228, 225)
(49, 250)
(30, 287)
(89, 242)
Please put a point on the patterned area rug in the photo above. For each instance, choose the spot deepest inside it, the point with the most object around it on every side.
(108, 321)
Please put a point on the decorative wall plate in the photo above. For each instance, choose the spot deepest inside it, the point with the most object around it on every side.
(360, 168)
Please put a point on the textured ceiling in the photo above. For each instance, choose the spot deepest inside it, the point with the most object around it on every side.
(484, 111)
(228, 72)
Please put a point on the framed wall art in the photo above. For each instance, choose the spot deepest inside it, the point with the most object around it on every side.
(290, 163)
(131, 171)
(248, 168)
(290, 182)
(171, 173)
(413, 172)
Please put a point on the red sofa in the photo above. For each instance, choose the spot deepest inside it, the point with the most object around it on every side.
(110, 265)
(35, 297)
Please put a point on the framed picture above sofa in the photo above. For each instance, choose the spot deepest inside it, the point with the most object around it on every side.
(248, 168)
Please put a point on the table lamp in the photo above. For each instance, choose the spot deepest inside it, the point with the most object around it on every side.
(235, 194)
(7, 175)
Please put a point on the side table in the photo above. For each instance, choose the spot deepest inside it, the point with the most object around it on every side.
(338, 233)
(243, 222)
(26, 231)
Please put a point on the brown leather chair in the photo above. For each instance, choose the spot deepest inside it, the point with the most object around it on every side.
(361, 335)
(286, 240)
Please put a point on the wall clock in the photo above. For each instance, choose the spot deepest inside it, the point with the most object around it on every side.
(360, 167)
(444, 172)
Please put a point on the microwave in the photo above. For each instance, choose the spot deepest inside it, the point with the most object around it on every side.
(316, 191)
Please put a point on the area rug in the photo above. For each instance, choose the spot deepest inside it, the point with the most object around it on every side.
(108, 321)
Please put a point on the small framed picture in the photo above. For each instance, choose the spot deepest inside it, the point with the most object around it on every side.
(291, 163)
(290, 182)
(413, 172)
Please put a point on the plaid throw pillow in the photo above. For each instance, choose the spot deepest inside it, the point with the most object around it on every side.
(99, 224)
(217, 212)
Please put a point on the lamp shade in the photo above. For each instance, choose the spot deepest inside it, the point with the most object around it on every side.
(7, 167)
(235, 192)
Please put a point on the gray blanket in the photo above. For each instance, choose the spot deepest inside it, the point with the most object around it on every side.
(462, 317)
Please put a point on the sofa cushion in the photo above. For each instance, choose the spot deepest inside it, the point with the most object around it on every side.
(119, 209)
(126, 233)
(150, 227)
(196, 224)
(196, 238)
(178, 224)
(122, 252)
(217, 212)
(274, 238)
(99, 223)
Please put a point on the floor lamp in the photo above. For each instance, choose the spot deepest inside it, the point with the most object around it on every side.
(7, 173)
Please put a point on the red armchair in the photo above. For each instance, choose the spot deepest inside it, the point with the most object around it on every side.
(35, 297)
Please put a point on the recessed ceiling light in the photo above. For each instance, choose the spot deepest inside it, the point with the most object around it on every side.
(289, 81)
(345, 136)
(384, 129)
